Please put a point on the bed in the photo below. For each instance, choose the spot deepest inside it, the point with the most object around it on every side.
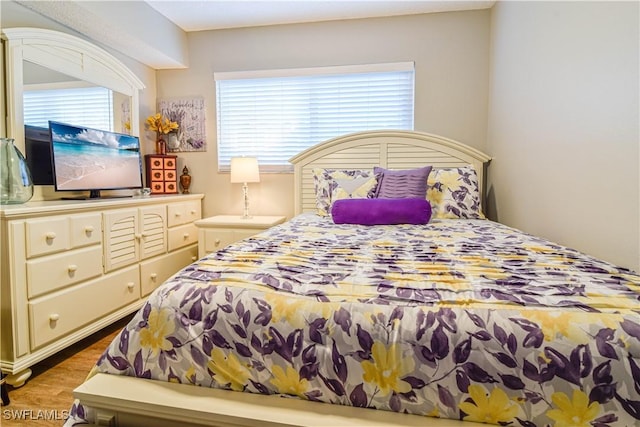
(456, 321)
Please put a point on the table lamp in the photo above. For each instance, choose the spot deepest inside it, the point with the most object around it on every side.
(245, 170)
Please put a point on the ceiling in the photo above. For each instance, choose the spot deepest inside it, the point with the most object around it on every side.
(161, 43)
(220, 14)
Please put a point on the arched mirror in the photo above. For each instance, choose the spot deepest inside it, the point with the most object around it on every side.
(39, 60)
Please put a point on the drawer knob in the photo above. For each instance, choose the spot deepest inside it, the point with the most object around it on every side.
(88, 229)
(137, 236)
(194, 258)
(193, 212)
(185, 236)
(72, 268)
(131, 285)
(217, 242)
(153, 276)
(50, 235)
(54, 317)
(178, 214)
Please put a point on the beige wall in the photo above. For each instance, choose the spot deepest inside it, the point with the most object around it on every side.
(451, 54)
(563, 124)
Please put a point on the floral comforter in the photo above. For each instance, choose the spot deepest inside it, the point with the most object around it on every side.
(463, 319)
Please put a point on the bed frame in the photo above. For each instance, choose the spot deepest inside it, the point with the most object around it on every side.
(126, 401)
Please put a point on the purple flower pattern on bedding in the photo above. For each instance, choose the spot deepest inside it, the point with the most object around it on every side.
(467, 320)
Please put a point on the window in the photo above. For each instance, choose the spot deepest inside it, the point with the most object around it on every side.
(274, 115)
(83, 106)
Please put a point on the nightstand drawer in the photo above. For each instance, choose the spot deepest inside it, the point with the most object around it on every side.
(57, 271)
(216, 232)
(214, 240)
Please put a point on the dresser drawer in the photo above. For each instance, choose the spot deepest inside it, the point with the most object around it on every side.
(57, 271)
(154, 272)
(85, 230)
(182, 236)
(55, 315)
(47, 235)
(183, 213)
(55, 234)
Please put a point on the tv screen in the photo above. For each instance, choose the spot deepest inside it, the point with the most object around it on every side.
(86, 159)
(37, 143)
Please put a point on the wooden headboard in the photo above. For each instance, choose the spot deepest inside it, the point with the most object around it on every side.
(391, 149)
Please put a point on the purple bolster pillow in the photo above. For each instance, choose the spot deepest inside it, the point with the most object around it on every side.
(381, 211)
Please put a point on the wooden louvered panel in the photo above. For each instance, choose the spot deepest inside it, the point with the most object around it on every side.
(153, 231)
(121, 246)
(403, 156)
(392, 149)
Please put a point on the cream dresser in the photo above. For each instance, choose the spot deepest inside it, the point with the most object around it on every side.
(70, 268)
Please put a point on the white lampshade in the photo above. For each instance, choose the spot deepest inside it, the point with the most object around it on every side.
(244, 169)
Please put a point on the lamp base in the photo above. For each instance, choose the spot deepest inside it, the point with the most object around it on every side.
(245, 192)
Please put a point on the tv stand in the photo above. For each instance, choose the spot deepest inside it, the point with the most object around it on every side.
(95, 195)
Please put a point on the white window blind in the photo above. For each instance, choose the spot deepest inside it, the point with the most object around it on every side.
(273, 117)
(82, 106)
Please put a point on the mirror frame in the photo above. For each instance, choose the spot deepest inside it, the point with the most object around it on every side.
(67, 54)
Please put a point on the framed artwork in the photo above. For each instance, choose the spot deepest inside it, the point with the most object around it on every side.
(189, 114)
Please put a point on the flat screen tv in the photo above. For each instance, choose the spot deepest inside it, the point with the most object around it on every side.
(37, 141)
(93, 160)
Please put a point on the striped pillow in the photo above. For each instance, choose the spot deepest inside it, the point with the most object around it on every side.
(399, 184)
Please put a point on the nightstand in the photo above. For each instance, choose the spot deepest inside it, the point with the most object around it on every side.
(216, 232)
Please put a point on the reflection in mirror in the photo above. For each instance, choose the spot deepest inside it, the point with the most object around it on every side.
(51, 95)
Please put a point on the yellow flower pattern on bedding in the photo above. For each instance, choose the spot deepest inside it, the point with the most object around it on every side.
(575, 412)
(288, 381)
(461, 319)
(494, 408)
(160, 325)
(227, 370)
(387, 368)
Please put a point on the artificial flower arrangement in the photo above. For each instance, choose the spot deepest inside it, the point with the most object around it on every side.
(161, 124)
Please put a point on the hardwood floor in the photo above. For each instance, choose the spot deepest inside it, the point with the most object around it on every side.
(47, 396)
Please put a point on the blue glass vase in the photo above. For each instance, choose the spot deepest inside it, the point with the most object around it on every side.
(16, 185)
